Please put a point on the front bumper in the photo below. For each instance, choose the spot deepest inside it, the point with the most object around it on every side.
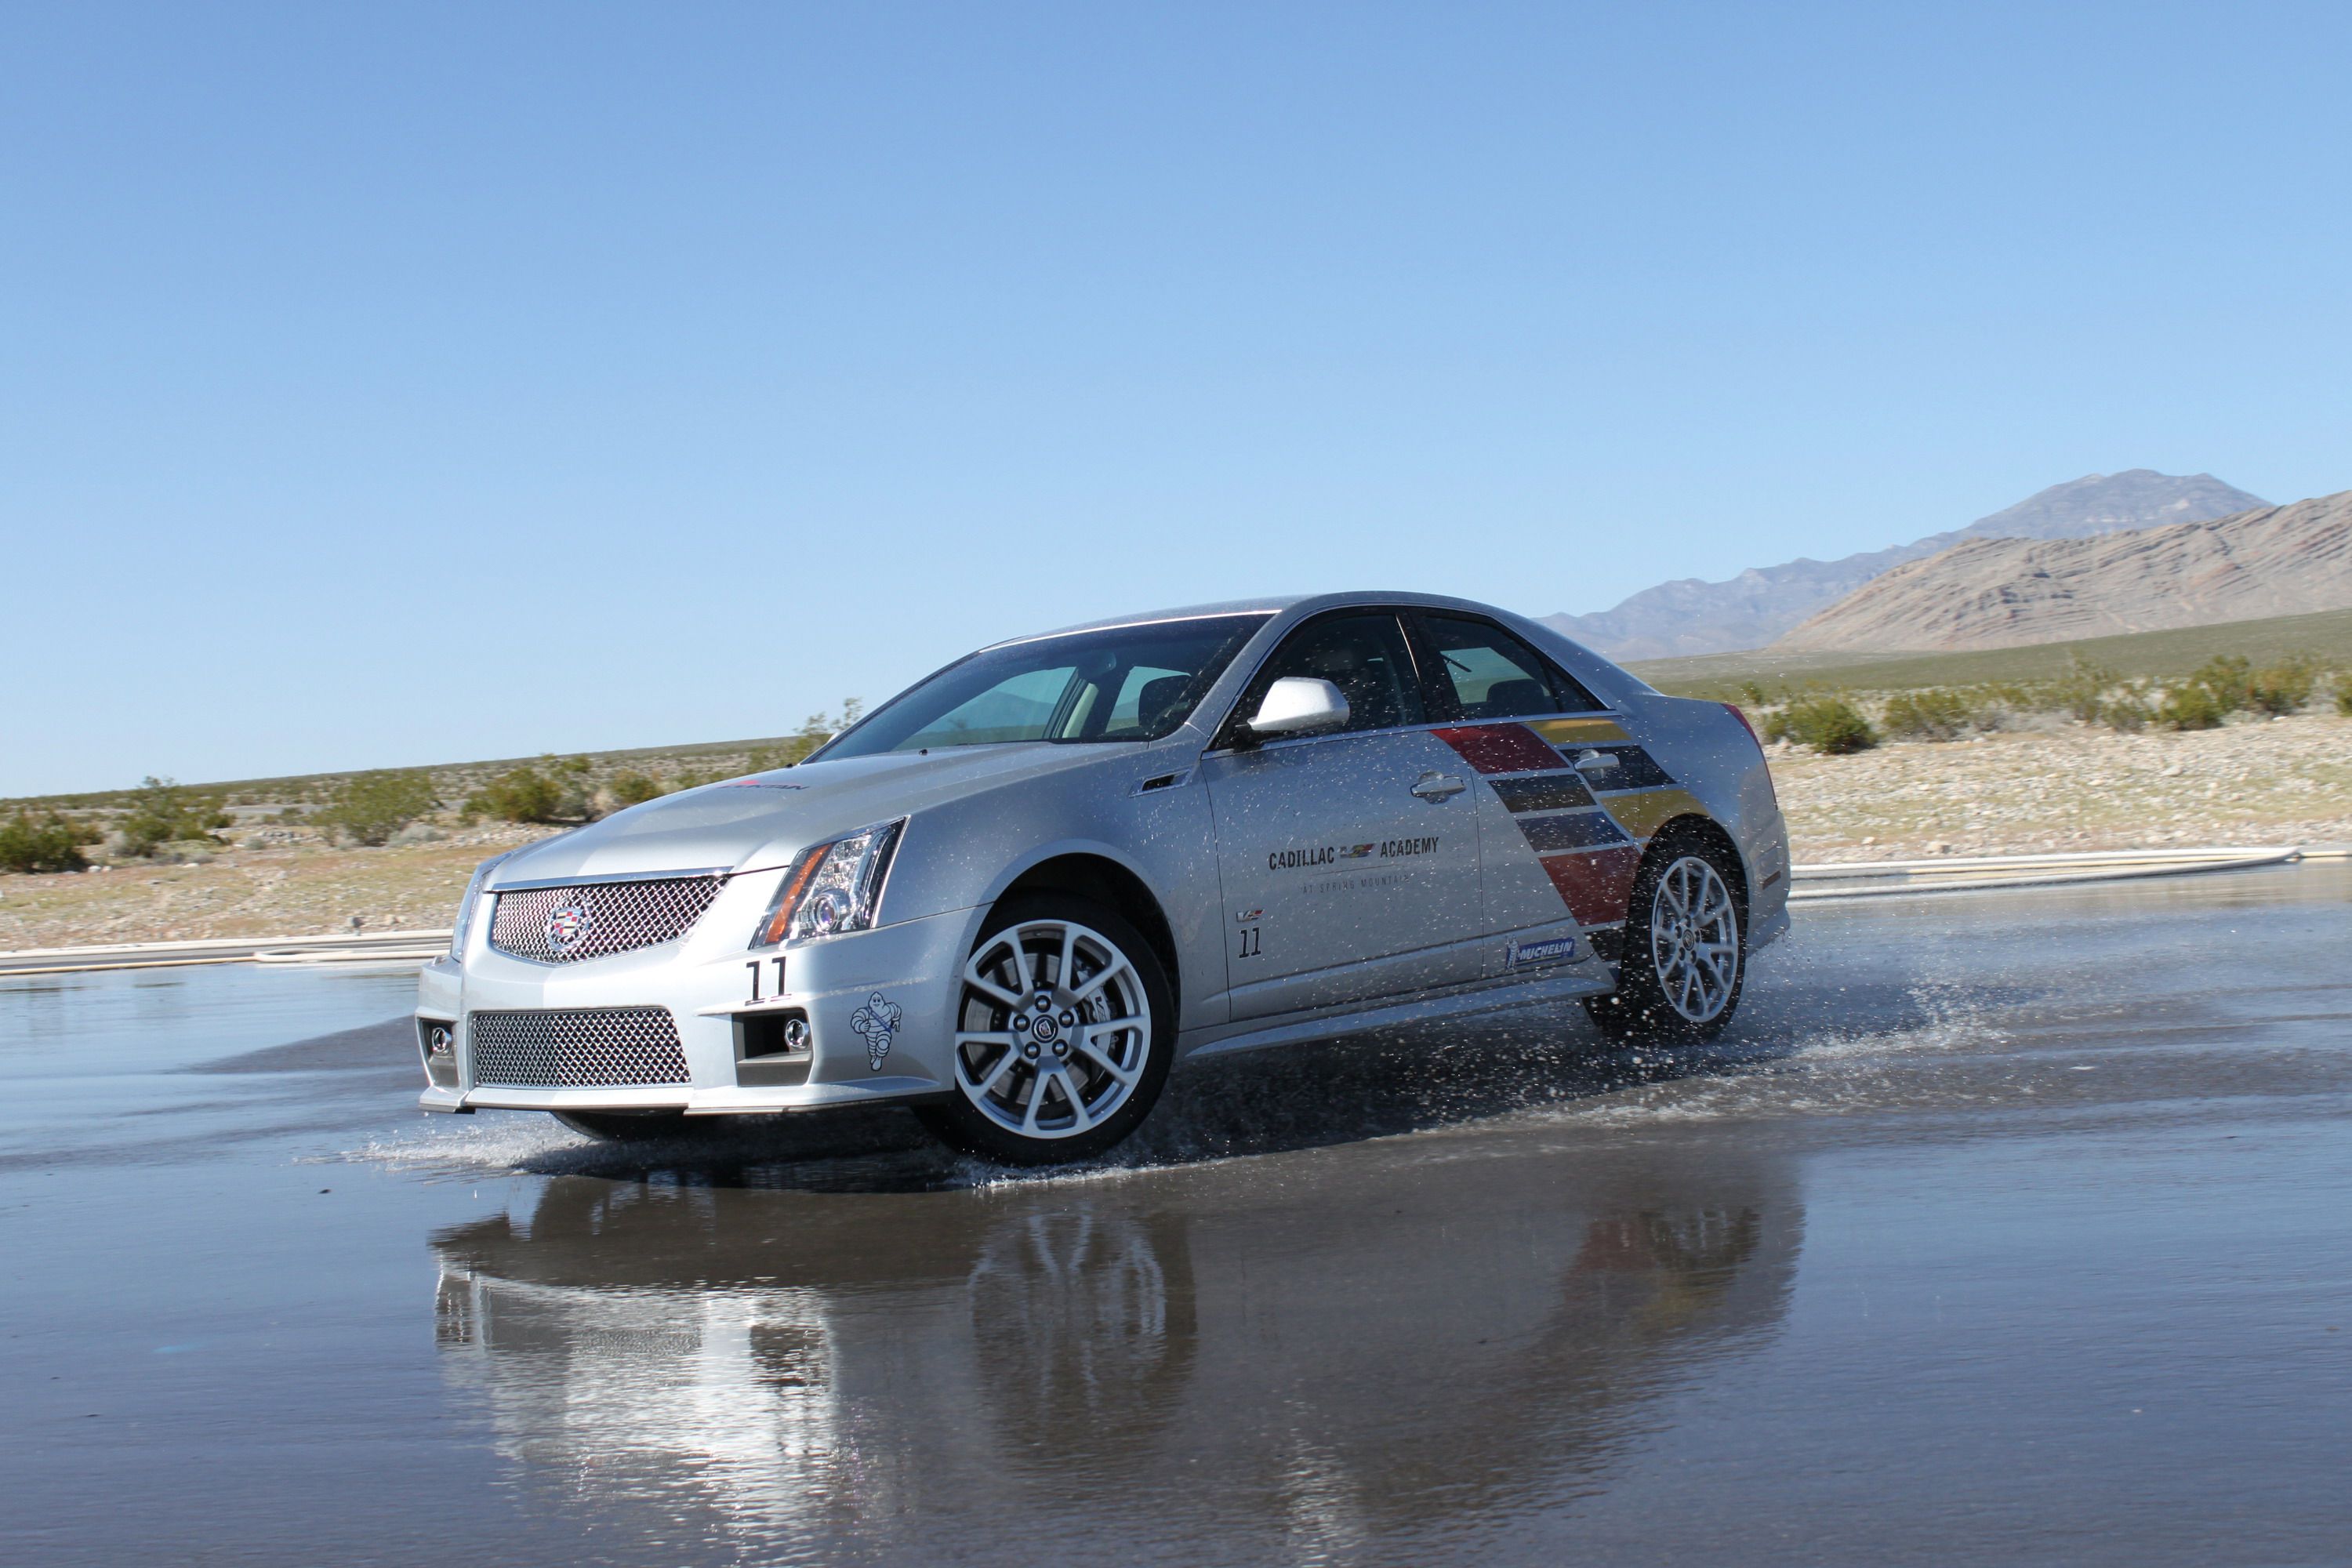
(879, 1005)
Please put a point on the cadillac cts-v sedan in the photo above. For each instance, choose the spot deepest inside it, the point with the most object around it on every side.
(1017, 894)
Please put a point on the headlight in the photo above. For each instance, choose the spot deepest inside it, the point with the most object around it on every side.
(831, 887)
(465, 921)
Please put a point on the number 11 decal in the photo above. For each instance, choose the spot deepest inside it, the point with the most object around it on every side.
(1253, 943)
(754, 965)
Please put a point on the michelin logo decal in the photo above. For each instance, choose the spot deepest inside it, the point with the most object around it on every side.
(1553, 950)
(877, 1021)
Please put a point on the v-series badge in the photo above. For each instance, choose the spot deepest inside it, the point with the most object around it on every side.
(1553, 950)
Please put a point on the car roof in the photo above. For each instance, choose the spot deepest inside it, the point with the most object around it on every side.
(1305, 604)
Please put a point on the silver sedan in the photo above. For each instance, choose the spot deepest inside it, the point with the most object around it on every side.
(1020, 892)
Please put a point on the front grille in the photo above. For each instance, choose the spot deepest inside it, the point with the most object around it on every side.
(578, 1047)
(598, 918)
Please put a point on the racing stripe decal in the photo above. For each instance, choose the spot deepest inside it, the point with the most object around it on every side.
(1500, 748)
(1585, 829)
(1571, 830)
(1595, 886)
(1551, 792)
(1636, 769)
(1643, 813)
(1579, 732)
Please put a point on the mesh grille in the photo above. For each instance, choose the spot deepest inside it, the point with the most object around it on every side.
(582, 1047)
(597, 919)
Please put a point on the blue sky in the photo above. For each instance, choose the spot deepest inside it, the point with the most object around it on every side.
(396, 384)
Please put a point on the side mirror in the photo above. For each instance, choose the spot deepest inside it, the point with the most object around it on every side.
(1297, 704)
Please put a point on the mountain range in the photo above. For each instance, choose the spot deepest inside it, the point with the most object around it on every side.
(1763, 604)
(2006, 592)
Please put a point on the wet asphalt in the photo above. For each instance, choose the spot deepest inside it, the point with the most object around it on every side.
(2009, 1226)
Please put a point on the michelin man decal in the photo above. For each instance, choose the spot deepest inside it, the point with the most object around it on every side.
(878, 1021)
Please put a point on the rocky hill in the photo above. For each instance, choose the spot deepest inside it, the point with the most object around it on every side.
(1749, 611)
(2007, 593)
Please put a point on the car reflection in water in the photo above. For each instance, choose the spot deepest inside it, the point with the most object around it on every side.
(1325, 1357)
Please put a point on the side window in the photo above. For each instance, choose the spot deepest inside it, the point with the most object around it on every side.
(1145, 698)
(1364, 654)
(1494, 675)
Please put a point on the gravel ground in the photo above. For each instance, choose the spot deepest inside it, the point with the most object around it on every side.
(303, 889)
(2279, 781)
(2285, 780)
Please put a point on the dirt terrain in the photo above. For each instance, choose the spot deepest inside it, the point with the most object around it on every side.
(2282, 781)
(300, 890)
(2285, 781)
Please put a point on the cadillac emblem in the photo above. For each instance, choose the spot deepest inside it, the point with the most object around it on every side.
(567, 925)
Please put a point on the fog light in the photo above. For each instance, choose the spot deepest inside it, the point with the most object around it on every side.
(436, 1038)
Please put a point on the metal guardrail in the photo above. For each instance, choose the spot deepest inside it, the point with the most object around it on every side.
(372, 947)
(1809, 883)
(1890, 878)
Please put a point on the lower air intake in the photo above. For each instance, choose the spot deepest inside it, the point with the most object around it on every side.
(577, 1048)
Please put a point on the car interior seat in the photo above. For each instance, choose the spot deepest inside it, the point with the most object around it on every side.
(1510, 700)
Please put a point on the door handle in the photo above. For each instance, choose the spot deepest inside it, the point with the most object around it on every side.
(1438, 786)
(1598, 762)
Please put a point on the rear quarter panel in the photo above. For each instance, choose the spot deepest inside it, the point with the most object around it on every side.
(1711, 754)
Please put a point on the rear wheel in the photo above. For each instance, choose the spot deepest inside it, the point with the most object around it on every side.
(626, 1126)
(1686, 947)
(1064, 1032)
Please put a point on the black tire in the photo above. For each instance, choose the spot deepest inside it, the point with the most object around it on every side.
(627, 1126)
(1645, 1006)
(956, 1120)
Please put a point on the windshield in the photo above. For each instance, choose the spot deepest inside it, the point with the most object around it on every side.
(1128, 683)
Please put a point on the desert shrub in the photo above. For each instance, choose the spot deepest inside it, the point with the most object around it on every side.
(373, 808)
(2228, 679)
(1935, 714)
(2081, 693)
(46, 843)
(2191, 706)
(163, 813)
(2344, 694)
(2281, 687)
(1830, 725)
(632, 788)
(813, 732)
(2128, 713)
(520, 795)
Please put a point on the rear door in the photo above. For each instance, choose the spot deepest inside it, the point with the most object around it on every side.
(1558, 861)
(1348, 860)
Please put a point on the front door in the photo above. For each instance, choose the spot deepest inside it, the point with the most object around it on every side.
(1348, 860)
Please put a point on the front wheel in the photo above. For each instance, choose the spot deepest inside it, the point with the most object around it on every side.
(1064, 1032)
(1686, 947)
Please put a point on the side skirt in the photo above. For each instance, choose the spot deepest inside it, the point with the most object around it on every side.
(1458, 1001)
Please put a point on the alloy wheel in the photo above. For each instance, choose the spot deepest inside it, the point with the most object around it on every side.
(1695, 939)
(1053, 1029)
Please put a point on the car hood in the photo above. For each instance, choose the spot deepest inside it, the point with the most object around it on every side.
(762, 820)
